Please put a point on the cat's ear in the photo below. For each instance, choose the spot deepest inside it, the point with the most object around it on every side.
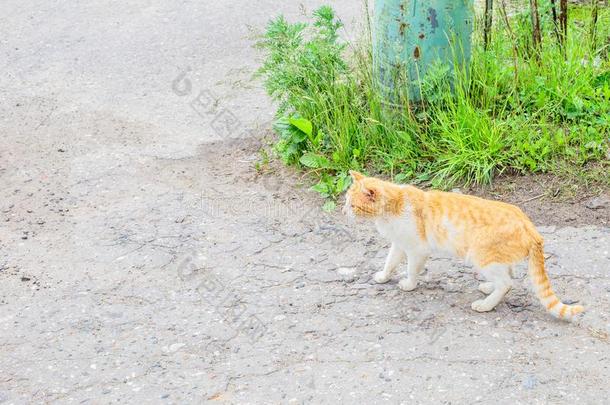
(370, 193)
(357, 176)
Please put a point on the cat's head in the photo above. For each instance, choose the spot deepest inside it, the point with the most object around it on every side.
(369, 197)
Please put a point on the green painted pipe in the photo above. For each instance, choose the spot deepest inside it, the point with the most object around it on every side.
(411, 36)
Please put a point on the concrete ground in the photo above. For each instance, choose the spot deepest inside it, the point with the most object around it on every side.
(143, 260)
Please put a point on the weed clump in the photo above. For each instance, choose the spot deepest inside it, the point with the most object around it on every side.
(512, 111)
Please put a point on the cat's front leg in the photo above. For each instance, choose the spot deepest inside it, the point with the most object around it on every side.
(415, 266)
(395, 256)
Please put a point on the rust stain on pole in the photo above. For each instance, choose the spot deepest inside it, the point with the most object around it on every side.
(432, 18)
(418, 36)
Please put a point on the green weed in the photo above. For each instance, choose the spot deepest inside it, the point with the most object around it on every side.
(552, 112)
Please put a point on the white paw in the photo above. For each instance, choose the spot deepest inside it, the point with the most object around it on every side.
(381, 277)
(482, 306)
(407, 284)
(486, 288)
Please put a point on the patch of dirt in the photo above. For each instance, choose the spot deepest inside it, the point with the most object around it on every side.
(551, 200)
(547, 199)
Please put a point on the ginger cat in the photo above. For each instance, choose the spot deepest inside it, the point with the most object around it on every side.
(491, 235)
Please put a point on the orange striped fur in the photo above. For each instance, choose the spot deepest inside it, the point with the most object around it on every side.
(491, 235)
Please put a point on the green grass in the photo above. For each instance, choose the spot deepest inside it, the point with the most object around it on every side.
(332, 117)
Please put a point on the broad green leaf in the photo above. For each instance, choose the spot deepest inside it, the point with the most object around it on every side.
(321, 188)
(400, 177)
(314, 161)
(303, 124)
(343, 182)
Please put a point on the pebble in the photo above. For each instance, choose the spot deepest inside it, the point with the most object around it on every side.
(384, 378)
(346, 271)
(529, 382)
(598, 203)
(176, 346)
(569, 301)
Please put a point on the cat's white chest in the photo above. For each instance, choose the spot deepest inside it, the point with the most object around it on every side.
(386, 228)
(399, 230)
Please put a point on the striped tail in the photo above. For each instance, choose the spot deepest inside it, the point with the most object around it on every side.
(543, 288)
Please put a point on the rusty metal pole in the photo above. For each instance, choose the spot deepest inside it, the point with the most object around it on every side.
(536, 34)
(410, 36)
(488, 15)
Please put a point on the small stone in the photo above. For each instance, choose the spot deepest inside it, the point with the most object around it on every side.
(176, 346)
(569, 301)
(597, 203)
(384, 376)
(346, 271)
(529, 382)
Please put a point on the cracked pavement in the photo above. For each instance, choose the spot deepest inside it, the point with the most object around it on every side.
(144, 260)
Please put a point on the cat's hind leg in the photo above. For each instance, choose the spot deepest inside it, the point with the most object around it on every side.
(415, 266)
(395, 256)
(499, 278)
(488, 287)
